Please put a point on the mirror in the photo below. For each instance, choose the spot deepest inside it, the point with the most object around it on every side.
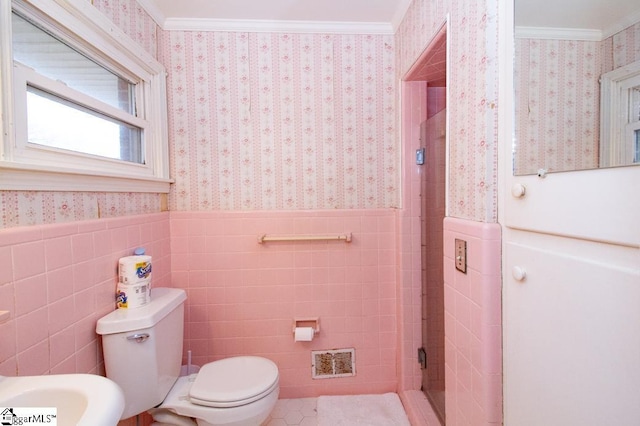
(563, 49)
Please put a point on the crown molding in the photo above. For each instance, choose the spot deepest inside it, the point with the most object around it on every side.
(544, 33)
(322, 27)
(547, 33)
(282, 26)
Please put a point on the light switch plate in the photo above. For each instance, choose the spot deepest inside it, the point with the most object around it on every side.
(461, 255)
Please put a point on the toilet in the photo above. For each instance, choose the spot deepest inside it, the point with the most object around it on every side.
(143, 353)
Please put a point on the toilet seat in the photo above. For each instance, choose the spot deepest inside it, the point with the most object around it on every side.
(233, 382)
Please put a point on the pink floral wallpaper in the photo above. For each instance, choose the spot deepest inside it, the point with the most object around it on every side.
(626, 46)
(473, 93)
(25, 208)
(558, 98)
(131, 18)
(281, 121)
(557, 108)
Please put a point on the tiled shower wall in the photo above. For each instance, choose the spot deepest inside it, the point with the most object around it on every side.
(57, 280)
(243, 296)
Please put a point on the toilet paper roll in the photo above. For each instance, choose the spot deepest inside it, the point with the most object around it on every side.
(129, 296)
(134, 269)
(303, 334)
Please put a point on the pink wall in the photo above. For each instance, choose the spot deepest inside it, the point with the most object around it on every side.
(27, 208)
(436, 100)
(473, 90)
(131, 18)
(473, 325)
(623, 48)
(558, 104)
(273, 121)
(243, 296)
(360, 170)
(57, 280)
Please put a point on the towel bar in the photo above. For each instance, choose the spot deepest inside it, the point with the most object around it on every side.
(268, 238)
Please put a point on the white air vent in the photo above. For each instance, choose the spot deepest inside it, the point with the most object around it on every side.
(333, 363)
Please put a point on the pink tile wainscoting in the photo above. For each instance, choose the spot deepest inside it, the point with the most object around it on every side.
(57, 280)
(473, 325)
(243, 296)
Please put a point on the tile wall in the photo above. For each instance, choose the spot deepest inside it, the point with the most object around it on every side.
(57, 280)
(473, 325)
(243, 296)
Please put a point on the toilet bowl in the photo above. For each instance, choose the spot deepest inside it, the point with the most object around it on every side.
(237, 391)
(143, 352)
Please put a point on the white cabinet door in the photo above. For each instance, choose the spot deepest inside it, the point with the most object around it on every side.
(571, 334)
(571, 285)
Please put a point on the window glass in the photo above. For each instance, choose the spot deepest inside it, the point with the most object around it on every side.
(52, 58)
(634, 120)
(64, 121)
(57, 123)
(636, 147)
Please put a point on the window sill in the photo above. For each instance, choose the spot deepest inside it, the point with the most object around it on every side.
(28, 178)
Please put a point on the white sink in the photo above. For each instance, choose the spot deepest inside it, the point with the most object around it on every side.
(80, 399)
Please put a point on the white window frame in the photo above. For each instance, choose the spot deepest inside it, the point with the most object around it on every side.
(616, 131)
(26, 166)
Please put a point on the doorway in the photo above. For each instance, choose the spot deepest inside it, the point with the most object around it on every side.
(432, 207)
(429, 72)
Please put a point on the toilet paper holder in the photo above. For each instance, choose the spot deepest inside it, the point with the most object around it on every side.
(306, 322)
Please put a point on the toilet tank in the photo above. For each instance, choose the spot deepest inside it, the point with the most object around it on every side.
(143, 348)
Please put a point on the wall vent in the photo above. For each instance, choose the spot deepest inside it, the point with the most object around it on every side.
(333, 363)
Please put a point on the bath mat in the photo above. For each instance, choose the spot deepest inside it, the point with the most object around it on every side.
(361, 410)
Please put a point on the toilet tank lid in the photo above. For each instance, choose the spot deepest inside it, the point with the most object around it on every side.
(163, 301)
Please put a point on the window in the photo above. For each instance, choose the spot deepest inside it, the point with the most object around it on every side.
(633, 122)
(620, 111)
(79, 115)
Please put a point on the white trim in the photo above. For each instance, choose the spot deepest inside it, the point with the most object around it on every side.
(44, 168)
(258, 26)
(506, 112)
(582, 34)
(14, 177)
(614, 113)
(544, 33)
(448, 103)
(6, 79)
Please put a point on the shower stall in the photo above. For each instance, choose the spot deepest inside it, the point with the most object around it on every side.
(432, 134)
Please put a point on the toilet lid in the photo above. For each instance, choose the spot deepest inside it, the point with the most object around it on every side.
(234, 381)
